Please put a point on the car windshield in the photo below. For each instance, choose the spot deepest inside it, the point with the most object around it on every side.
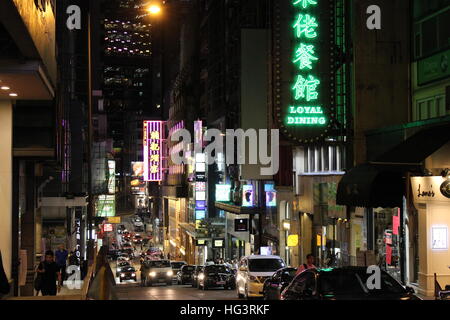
(216, 269)
(355, 282)
(265, 265)
(128, 269)
(159, 264)
(188, 268)
(177, 265)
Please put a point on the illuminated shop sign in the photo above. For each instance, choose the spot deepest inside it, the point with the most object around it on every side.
(306, 84)
(106, 206)
(138, 169)
(200, 214)
(200, 195)
(223, 192)
(111, 176)
(200, 242)
(305, 113)
(153, 150)
(200, 204)
(200, 186)
(240, 225)
(271, 195)
(247, 195)
(107, 227)
(218, 243)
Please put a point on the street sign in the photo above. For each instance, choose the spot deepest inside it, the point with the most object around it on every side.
(113, 220)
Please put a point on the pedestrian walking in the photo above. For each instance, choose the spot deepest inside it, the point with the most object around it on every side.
(308, 265)
(49, 273)
(61, 260)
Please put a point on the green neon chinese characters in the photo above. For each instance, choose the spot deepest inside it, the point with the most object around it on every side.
(306, 88)
(304, 56)
(304, 3)
(305, 25)
(306, 83)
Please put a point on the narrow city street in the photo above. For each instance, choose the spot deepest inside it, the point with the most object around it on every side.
(133, 290)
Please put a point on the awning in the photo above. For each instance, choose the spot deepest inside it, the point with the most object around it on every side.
(414, 150)
(371, 186)
(230, 207)
(381, 183)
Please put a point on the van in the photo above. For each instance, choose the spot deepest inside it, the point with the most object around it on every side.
(252, 271)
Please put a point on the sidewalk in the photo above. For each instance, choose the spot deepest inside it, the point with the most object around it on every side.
(64, 294)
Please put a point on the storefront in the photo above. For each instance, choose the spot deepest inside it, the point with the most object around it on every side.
(432, 199)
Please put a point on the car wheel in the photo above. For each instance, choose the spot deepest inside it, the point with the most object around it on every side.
(120, 280)
(169, 283)
(205, 287)
(239, 295)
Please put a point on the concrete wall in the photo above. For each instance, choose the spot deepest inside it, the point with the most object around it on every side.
(41, 26)
(381, 70)
(6, 184)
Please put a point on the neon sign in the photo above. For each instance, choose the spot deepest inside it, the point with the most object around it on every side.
(306, 85)
(152, 150)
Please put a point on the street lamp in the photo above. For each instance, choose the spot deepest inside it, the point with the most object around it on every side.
(154, 9)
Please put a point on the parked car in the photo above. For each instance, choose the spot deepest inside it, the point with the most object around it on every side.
(197, 271)
(184, 276)
(127, 273)
(347, 283)
(253, 271)
(216, 275)
(120, 265)
(176, 266)
(156, 271)
(274, 285)
(121, 229)
(137, 239)
(123, 256)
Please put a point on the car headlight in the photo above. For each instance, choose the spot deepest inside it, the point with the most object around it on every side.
(153, 274)
(118, 269)
(122, 274)
(170, 273)
(201, 276)
(133, 274)
(253, 279)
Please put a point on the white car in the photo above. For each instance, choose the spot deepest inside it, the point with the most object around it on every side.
(253, 271)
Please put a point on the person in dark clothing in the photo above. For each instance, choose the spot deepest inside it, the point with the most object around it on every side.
(61, 260)
(50, 273)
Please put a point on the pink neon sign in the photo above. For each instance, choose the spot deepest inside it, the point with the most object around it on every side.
(153, 150)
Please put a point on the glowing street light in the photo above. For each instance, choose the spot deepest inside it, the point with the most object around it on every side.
(154, 9)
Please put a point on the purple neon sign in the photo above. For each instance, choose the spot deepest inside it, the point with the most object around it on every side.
(153, 150)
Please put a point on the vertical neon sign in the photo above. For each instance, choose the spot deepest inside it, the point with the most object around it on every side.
(306, 84)
(152, 136)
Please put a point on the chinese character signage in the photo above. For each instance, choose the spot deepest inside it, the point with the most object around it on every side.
(305, 110)
(153, 150)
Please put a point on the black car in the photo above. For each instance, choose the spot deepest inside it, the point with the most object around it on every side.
(347, 283)
(274, 285)
(184, 276)
(127, 273)
(216, 275)
(194, 281)
(120, 265)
